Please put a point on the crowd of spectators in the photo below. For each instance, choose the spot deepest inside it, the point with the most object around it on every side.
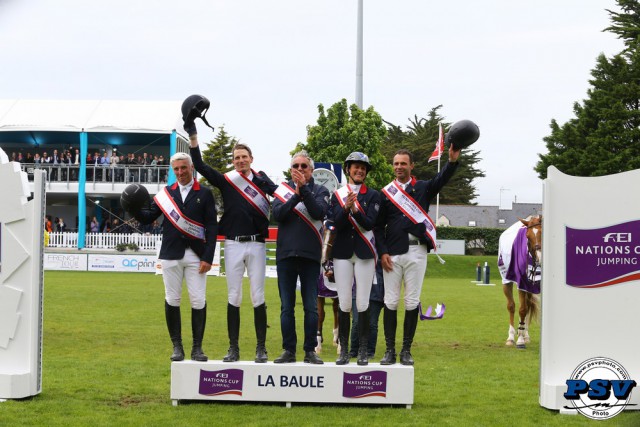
(108, 166)
(108, 225)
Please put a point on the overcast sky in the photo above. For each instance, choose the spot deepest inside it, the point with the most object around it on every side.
(510, 66)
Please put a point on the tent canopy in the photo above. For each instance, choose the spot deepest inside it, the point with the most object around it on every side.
(109, 122)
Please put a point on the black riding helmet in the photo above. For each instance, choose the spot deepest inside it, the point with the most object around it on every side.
(462, 134)
(195, 106)
(134, 198)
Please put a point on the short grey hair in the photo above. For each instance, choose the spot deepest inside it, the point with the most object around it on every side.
(181, 156)
(303, 153)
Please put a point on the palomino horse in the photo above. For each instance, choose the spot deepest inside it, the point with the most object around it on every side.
(519, 255)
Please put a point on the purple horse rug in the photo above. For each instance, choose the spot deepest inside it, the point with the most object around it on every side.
(514, 261)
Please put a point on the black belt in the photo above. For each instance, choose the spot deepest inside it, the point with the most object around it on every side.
(250, 238)
(415, 243)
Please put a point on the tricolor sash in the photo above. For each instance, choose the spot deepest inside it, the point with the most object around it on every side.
(366, 235)
(411, 209)
(249, 191)
(179, 220)
(284, 192)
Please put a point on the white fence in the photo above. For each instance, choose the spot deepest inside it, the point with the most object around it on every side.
(104, 240)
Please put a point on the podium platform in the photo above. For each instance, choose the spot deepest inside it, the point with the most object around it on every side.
(292, 382)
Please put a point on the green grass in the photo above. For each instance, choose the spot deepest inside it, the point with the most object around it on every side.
(106, 359)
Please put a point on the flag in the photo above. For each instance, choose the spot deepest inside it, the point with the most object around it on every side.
(439, 145)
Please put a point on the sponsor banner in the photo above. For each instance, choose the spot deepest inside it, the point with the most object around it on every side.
(365, 384)
(126, 262)
(224, 381)
(292, 382)
(450, 247)
(69, 262)
(604, 256)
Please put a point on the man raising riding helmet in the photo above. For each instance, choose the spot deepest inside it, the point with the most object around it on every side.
(353, 210)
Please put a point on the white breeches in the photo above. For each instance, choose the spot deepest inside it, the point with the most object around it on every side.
(345, 270)
(174, 271)
(237, 257)
(411, 267)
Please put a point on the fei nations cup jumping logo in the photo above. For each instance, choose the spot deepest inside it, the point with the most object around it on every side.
(603, 256)
(599, 388)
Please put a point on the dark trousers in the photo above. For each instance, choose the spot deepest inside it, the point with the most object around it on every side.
(289, 269)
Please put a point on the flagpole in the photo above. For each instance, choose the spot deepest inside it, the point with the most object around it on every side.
(438, 195)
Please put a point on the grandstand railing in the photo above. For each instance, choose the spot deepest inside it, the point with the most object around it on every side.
(146, 242)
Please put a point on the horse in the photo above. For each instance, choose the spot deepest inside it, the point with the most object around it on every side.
(519, 256)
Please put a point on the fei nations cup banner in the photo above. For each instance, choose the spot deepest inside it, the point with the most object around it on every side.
(590, 294)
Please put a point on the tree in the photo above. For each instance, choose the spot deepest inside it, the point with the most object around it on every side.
(420, 138)
(219, 155)
(604, 136)
(343, 129)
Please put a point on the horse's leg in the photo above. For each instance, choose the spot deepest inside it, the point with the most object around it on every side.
(511, 308)
(521, 342)
(336, 342)
(320, 322)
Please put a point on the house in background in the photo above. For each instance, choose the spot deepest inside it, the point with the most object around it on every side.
(485, 216)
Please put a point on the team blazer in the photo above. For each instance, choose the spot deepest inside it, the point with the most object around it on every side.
(199, 206)
(393, 227)
(347, 239)
(239, 217)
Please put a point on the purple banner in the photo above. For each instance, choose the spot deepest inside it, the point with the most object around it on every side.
(366, 384)
(225, 381)
(603, 256)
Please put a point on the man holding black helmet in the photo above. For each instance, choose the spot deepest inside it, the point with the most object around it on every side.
(245, 225)
(188, 244)
(405, 234)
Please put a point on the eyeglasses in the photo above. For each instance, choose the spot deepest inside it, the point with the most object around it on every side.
(299, 166)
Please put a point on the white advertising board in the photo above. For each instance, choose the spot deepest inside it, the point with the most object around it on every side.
(590, 282)
(66, 262)
(123, 263)
(292, 382)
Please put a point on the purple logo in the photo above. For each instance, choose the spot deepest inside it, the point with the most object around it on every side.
(250, 191)
(428, 225)
(288, 196)
(173, 214)
(217, 383)
(603, 256)
(366, 384)
(392, 190)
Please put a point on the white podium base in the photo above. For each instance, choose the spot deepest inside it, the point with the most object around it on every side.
(292, 382)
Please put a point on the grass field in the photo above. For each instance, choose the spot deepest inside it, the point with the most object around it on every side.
(106, 360)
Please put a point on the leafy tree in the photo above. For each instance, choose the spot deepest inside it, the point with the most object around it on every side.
(219, 155)
(604, 136)
(420, 138)
(343, 129)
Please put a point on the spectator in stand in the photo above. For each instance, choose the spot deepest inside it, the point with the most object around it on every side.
(107, 227)
(29, 158)
(20, 158)
(94, 227)
(162, 170)
(37, 160)
(61, 227)
(157, 228)
(48, 225)
(104, 163)
(114, 166)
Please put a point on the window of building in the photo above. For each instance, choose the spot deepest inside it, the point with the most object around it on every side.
(472, 223)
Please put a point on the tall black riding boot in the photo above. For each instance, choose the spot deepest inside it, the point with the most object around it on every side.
(363, 337)
(390, 325)
(410, 323)
(233, 328)
(260, 322)
(198, 323)
(344, 324)
(174, 325)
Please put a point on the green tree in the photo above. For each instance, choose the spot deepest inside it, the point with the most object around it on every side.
(604, 136)
(420, 138)
(343, 129)
(219, 155)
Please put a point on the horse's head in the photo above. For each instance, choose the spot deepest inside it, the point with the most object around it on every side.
(534, 236)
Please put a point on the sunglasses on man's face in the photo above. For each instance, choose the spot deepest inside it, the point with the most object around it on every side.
(299, 166)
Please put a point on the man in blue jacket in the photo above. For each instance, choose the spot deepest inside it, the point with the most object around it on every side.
(404, 236)
(245, 225)
(299, 207)
(189, 233)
